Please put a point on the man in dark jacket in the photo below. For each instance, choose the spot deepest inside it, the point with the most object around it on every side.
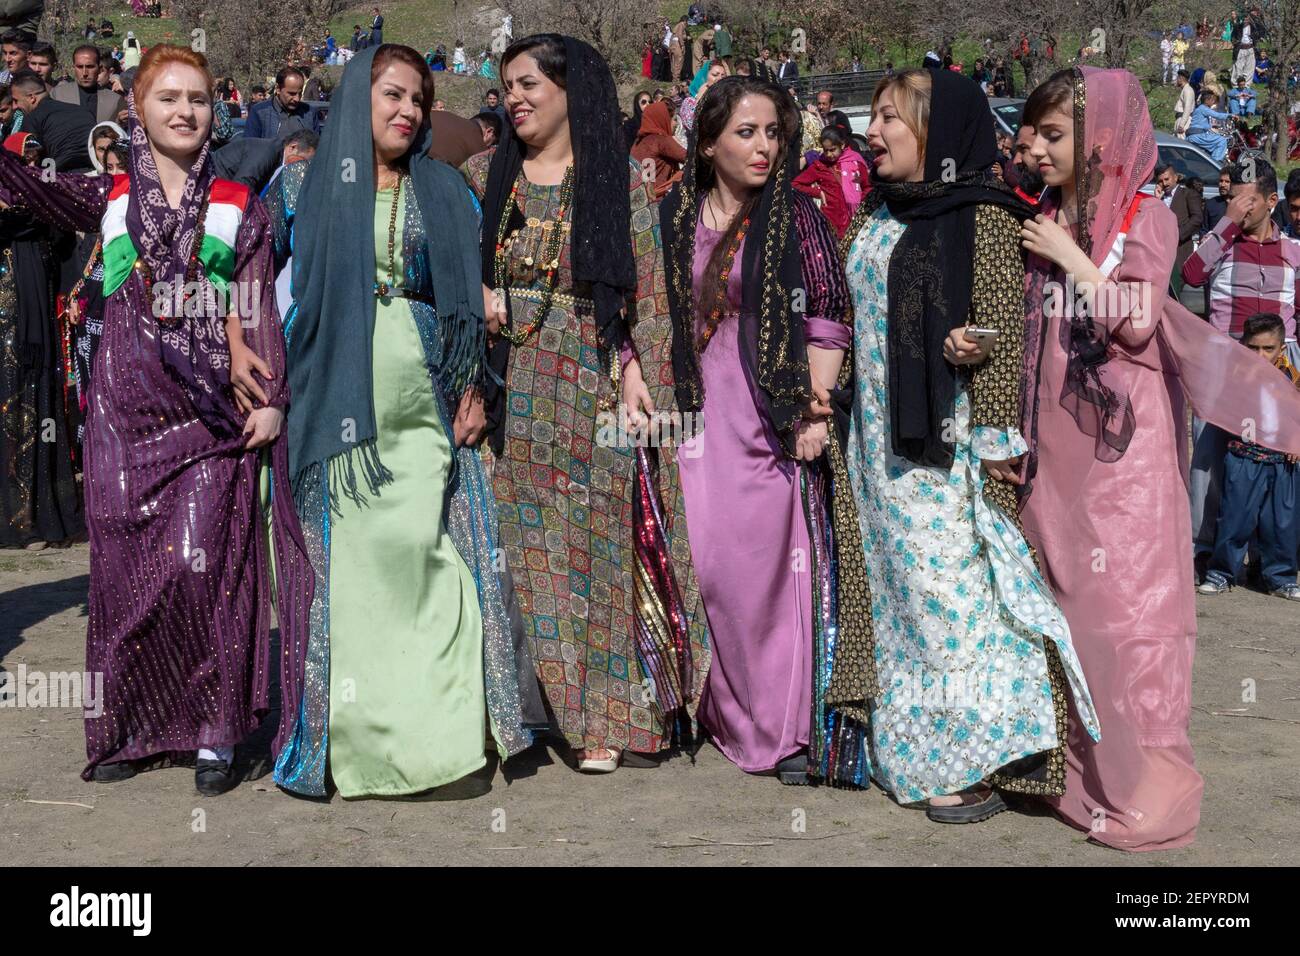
(83, 89)
(1217, 206)
(63, 129)
(249, 161)
(1188, 206)
(22, 15)
(1291, 195)
(273, 117)
(43, 60)
(788, 71)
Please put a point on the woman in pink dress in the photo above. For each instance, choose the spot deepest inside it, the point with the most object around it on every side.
(1110, 365)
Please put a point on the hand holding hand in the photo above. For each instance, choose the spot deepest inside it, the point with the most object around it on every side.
(263, 427)
(811, 440)
(1006, 470)
(494, 310)
(471, 420)
(244, 363)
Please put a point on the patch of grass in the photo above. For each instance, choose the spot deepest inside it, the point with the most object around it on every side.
(421, 24)
(148, 30)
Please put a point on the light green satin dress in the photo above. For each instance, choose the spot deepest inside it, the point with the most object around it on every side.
(407, 707)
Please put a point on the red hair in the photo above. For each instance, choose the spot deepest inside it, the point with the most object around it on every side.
(163, 55)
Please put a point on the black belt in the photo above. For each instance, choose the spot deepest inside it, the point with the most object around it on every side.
(384, 291)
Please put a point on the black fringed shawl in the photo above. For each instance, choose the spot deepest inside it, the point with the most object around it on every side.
(600, 253)
(773, 347)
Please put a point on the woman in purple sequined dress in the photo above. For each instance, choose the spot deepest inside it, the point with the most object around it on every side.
(180, 574)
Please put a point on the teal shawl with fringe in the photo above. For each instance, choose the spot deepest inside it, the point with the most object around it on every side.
(331, 414)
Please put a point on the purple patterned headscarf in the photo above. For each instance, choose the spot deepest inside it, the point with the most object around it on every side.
(192, 338)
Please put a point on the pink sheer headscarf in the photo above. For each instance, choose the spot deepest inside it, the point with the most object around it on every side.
(1225, 384)
(1116, 155)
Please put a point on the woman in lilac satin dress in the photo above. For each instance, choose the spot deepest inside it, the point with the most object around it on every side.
(1105, 502)
(738, 241)
(180, 578)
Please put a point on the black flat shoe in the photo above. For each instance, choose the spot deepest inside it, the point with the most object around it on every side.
(113, 772)
(976, 806)
(793, 770)
(214, 777)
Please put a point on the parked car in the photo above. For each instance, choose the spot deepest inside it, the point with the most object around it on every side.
(1189, 162)
(859, 120)
(1006, 113)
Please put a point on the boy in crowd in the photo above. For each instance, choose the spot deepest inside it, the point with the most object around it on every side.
(1259, 490)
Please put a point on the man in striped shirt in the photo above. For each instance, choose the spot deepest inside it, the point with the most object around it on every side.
(1251, 267)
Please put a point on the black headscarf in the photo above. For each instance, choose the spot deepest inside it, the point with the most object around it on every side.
(633, 125)
(35, 341)
(931, 271)
(771, 335)
(332, 325)
(600, 252)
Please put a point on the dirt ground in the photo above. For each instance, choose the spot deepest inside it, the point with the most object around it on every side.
(539, 812)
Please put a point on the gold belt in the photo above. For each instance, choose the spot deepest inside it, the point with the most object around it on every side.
(557, 298)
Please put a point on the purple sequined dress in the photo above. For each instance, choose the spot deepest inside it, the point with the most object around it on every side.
(180, 575)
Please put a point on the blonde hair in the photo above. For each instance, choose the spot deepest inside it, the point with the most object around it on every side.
(911, 89)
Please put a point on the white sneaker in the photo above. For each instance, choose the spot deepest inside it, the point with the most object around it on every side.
(1215, 585)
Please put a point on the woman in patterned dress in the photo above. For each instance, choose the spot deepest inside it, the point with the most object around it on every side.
(39, 499)
(973, 655)
(570, 247)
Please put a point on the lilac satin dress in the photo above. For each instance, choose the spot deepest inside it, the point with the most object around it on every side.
(749, 537)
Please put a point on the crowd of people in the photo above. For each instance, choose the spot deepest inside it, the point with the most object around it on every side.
(635, 430)
(1223, 119)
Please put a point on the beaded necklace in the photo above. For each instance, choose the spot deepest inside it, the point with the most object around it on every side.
(550, 255)
(715, 315)
(385, 289)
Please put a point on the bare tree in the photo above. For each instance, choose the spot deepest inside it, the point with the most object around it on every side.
(1281, 19)
(1027, 34)
(612, 27)
(754, 24)
(246, 39)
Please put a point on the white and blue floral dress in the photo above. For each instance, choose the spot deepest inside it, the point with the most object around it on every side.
(960, 612)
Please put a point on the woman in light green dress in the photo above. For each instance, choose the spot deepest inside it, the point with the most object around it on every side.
(410, 660)
(407, 701)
